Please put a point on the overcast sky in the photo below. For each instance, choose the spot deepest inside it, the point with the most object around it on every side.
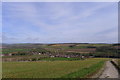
(62, 22)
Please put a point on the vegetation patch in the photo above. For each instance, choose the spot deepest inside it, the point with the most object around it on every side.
(51, 69)
(60, 59)
(85, 71)
(119, 63)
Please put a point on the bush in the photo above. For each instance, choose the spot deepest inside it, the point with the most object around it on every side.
(34, 59)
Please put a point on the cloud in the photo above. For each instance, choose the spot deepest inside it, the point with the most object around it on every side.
(59, 22)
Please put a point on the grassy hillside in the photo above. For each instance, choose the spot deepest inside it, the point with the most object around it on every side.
(51, 69)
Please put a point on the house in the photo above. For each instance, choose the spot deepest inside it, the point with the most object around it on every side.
(5, 54)
(83, 57)
(2, 55)
(68, 57)
(52, 56)
(39, 53)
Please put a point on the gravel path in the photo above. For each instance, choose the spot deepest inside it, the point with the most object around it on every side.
(110, 71)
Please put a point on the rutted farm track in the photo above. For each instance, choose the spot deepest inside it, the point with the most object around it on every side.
(110, 71)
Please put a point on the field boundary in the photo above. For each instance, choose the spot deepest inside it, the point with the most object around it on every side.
(88, 71)
(116, 66)
(98, 72)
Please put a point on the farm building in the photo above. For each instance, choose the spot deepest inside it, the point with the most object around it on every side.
(5, 54)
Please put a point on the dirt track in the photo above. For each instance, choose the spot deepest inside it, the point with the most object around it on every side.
(110, 71)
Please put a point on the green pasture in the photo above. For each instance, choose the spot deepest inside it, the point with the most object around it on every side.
(6, 51)
(52, 69)
(60, 59)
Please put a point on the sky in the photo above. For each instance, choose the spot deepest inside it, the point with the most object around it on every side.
(59, 22)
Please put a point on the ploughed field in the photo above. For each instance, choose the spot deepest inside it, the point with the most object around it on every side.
(52, 69)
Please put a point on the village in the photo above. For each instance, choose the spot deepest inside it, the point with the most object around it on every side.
(37, 53)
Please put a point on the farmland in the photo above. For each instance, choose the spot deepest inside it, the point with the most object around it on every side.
(62, 50)
(52, 69)
(64, 60)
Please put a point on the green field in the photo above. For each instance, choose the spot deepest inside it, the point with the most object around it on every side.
(38, 58)
(6, 51)
(52, 69)
(60, 59)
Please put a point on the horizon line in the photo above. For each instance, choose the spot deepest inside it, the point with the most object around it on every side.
(66, 43)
